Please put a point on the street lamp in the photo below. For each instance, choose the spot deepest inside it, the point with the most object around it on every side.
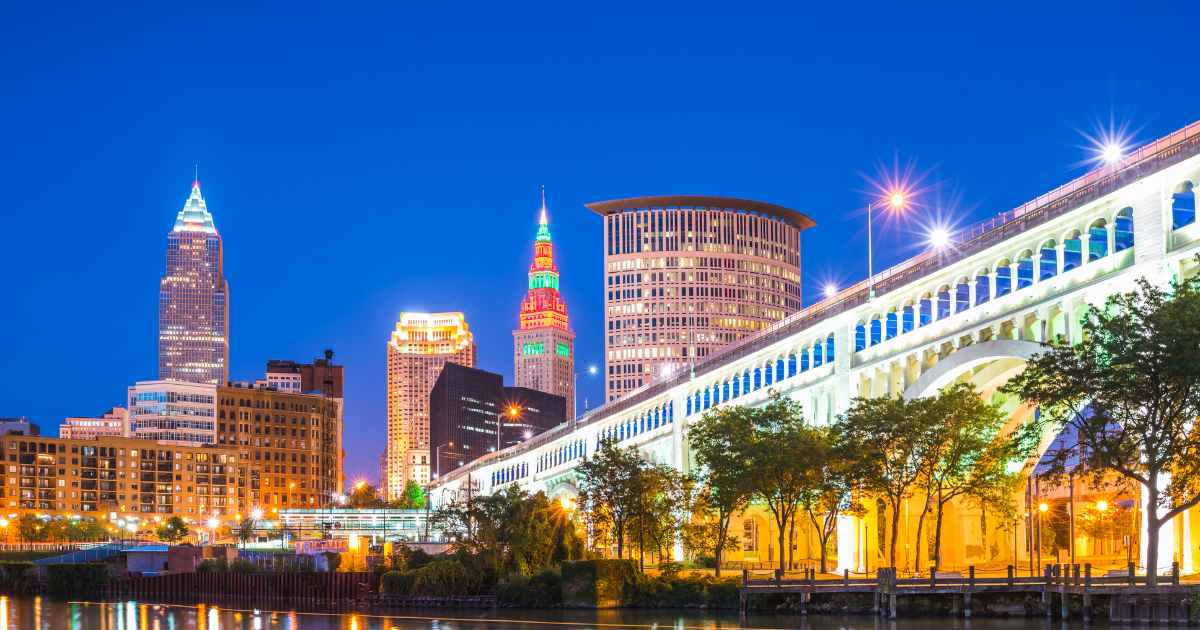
(592, 371)
(830, 290)
(939, 238)
(895, 201)
(437, 456)
(513, 412)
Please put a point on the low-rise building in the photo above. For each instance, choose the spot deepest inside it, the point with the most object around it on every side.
(114, 423)
(173, 411)
(115, 476)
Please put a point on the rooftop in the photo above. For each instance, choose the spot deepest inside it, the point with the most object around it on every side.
(796, 218)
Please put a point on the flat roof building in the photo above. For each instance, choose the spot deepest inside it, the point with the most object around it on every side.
(685, 275)
(467, 404)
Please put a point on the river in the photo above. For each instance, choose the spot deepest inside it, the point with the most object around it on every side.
(38, 613)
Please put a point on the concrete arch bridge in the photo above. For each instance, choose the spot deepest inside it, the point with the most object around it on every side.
(975, 312)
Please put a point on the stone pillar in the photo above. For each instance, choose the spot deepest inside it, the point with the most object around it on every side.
(1061, 251)
(1012, 276)
(1084, 251)
(972, 287)
(1110, 230)
(1037, 267)
(992, 285)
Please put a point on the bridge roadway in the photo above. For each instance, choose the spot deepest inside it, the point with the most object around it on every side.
(975, 311)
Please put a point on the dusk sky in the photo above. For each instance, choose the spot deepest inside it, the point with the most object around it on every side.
(363, 162)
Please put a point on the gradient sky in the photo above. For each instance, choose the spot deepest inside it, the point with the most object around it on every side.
(368, 161)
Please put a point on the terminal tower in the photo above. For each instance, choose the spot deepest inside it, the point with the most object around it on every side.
(543, 343)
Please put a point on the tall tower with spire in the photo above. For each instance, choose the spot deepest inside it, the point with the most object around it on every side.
(543, 343)
(193, 299)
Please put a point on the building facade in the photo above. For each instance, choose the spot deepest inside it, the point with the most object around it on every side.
(418, 347)
(173, 411)
(108, 476)
(686, 275)
(321, 376)
(467, 406)
(193, 300)
(20, 425)
(114, 423)
(289, 445)
(543, 343)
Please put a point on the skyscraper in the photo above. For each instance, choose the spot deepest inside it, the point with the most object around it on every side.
(418, 348)
(193, 300)
(543, 343)
(685, 275)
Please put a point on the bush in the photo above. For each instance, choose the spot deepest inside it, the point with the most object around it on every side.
(395, 583)
(604, 583)
(705, 562)
(543, 590)
(332, 560)
(443, 578)
(76, 580)
(689, 591)
(220, 565)
(670, 569)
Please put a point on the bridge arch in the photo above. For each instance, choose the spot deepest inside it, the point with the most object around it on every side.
(1009, 355)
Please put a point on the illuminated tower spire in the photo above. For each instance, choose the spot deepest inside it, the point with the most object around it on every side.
(544, 344)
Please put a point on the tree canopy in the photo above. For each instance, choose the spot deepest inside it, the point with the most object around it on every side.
(1130, 393)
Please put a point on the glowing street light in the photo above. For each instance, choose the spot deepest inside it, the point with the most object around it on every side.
(830, 290)
(1043, 506)
(1111, 153)
(256, 513)
(939, 238)
(592, 370)
(1102, 506)
(896, 201)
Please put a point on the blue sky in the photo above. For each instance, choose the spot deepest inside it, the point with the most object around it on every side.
(369, 160)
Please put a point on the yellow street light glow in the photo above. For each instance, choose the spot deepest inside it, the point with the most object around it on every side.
(897, 200)
(352, 543)
(213, 523)
(360, 484)
(256, 513)
(1102, 505)
(1043, 506)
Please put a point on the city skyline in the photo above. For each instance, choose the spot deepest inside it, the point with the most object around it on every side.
(410, 179)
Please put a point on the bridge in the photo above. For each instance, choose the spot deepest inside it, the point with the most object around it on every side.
(975, 311)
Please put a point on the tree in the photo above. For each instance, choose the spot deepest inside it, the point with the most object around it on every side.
(364, 496)
(890, 438)
(245, 530)
(781, 450)
(413, 497)
(511, 531)
(607, 488)
(172, 531)
(832, 494)
(717, 440)
(31, 528)
(967, 456)
(1130, 392)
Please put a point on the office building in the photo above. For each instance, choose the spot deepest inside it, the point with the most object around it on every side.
(173, 411)
(467, 405)
(114, 423)
(193, 300)
(685, 275)
(322, 375)
(289, 445)
(418, 347)
(543, 343)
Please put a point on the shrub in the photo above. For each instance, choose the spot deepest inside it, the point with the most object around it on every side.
(396, 583)
(332, 560)
(670, 569)
(603, 583)
(543, 590)
(443, 578)
(76, 580)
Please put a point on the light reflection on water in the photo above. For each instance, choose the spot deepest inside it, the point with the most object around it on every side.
(36, 613)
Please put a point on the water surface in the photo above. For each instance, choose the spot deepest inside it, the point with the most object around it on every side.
(38, 613)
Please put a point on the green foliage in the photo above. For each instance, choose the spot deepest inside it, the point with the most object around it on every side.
(690, 591)
(413, 497)
(607, 492)
(76, 580)
(396, 583)
(365, 496)
(221, 565)
(172, 531)
(1130, 392)
(727, 480)
(542, 590)
(601, 583)
(510, 532)
(444, 578)
(30, 528)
